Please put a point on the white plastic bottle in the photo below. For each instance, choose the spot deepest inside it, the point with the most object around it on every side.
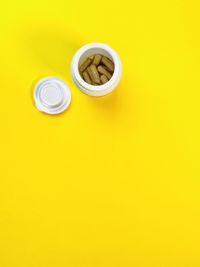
(82, 54)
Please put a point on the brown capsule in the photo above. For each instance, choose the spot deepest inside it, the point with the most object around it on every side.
(97, 60)
(94, 75)
(102, 70)
(104, 79)
(85, 64)
(108, 63)
(107, 69)
(86, 77)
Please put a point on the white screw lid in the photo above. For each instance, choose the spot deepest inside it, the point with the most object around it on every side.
(52, 95)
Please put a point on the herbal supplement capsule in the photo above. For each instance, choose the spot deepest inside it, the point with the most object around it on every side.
(86, 77)
(107, 69)
(108, 63)
(97, 59)
(104, 79)
(85, 64)
(102, 70)
(94, 75)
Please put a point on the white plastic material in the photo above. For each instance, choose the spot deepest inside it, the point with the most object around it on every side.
(82, 54)
(52, 95)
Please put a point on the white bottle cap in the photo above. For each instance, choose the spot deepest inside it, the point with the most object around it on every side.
(52, 95)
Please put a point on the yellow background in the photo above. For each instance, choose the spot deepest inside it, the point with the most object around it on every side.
(113, 181)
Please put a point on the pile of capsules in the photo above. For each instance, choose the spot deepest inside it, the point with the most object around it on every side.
(97, 70)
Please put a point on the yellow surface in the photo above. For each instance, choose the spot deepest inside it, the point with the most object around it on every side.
(114, 181)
